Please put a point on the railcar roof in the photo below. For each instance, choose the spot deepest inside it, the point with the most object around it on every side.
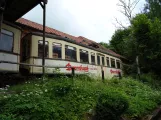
(79, 40)
(69, 40)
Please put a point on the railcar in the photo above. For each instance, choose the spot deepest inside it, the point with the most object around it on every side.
(61, 51)
(10, 47)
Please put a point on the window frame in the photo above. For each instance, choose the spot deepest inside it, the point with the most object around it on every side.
(118, 61)
(75, 52)
(42, 44)
(26, 51)
(12, 50)
(81, 51)
(61, 50)
(112, 59)
(103, 60)
(108, 59)
(94, 55)
(99, 60)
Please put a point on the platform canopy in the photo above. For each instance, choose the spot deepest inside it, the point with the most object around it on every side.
(17, 8)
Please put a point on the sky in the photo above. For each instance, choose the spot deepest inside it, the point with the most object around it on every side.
(93, 19)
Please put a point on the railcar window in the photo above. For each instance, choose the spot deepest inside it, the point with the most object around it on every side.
(57, 50)
(113, 63)
(70, 53)
(98, 60)
(118, 64)
(92, 58)
(25, 49)
(6, 40)
(108, 62)
(103, 61)
(84, 56)
(40, 48)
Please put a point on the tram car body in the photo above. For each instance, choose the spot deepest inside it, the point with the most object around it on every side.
(10, 47)
(60, 51)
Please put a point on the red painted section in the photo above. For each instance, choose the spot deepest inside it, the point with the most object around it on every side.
(115, 71)
(78, 68)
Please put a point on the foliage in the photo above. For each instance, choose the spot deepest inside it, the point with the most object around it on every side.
(71, 98)
(148, 37)
(110, 106)
(106, 45)
(152, 9)
(119, 41)
(142, 38)
(141, 97)
(151, 79)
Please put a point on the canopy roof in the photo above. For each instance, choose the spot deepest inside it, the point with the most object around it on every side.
(17, 8)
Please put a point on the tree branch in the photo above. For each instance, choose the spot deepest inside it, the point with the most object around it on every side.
(127, 9)
(120, 24)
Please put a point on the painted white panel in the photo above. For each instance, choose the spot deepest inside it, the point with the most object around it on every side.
(111, 72)
(80, 68)
(6, 66)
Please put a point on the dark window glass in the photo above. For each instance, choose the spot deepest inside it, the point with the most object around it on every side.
(25, 49)
(98, 60)
(6, 42)
(92, 58)
(70, 53)
(57, 50)
(118, 64)
(108, 62)
(84, 56)
(40, 48)
(113, 63)
(103, 61)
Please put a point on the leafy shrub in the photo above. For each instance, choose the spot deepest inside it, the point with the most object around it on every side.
(151, 79)
(110, 106)
(141, 97)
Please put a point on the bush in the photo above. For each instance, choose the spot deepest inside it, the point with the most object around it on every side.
(151, 79)
(110, 106)
(141, 97)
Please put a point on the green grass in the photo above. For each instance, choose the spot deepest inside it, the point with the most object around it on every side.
(65, 98)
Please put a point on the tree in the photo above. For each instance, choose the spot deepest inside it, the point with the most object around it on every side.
(147, 35)
(140, 32)
(153, 9)
(126, 8)
(143, 39)
(119, 40)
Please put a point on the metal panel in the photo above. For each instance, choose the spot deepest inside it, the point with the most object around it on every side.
(6, 66)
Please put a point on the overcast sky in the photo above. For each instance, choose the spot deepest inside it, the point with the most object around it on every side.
(93, 19)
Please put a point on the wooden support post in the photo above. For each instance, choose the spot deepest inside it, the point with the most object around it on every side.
(44, 21)
(44, 24)
(73, 71)
(103, 76)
